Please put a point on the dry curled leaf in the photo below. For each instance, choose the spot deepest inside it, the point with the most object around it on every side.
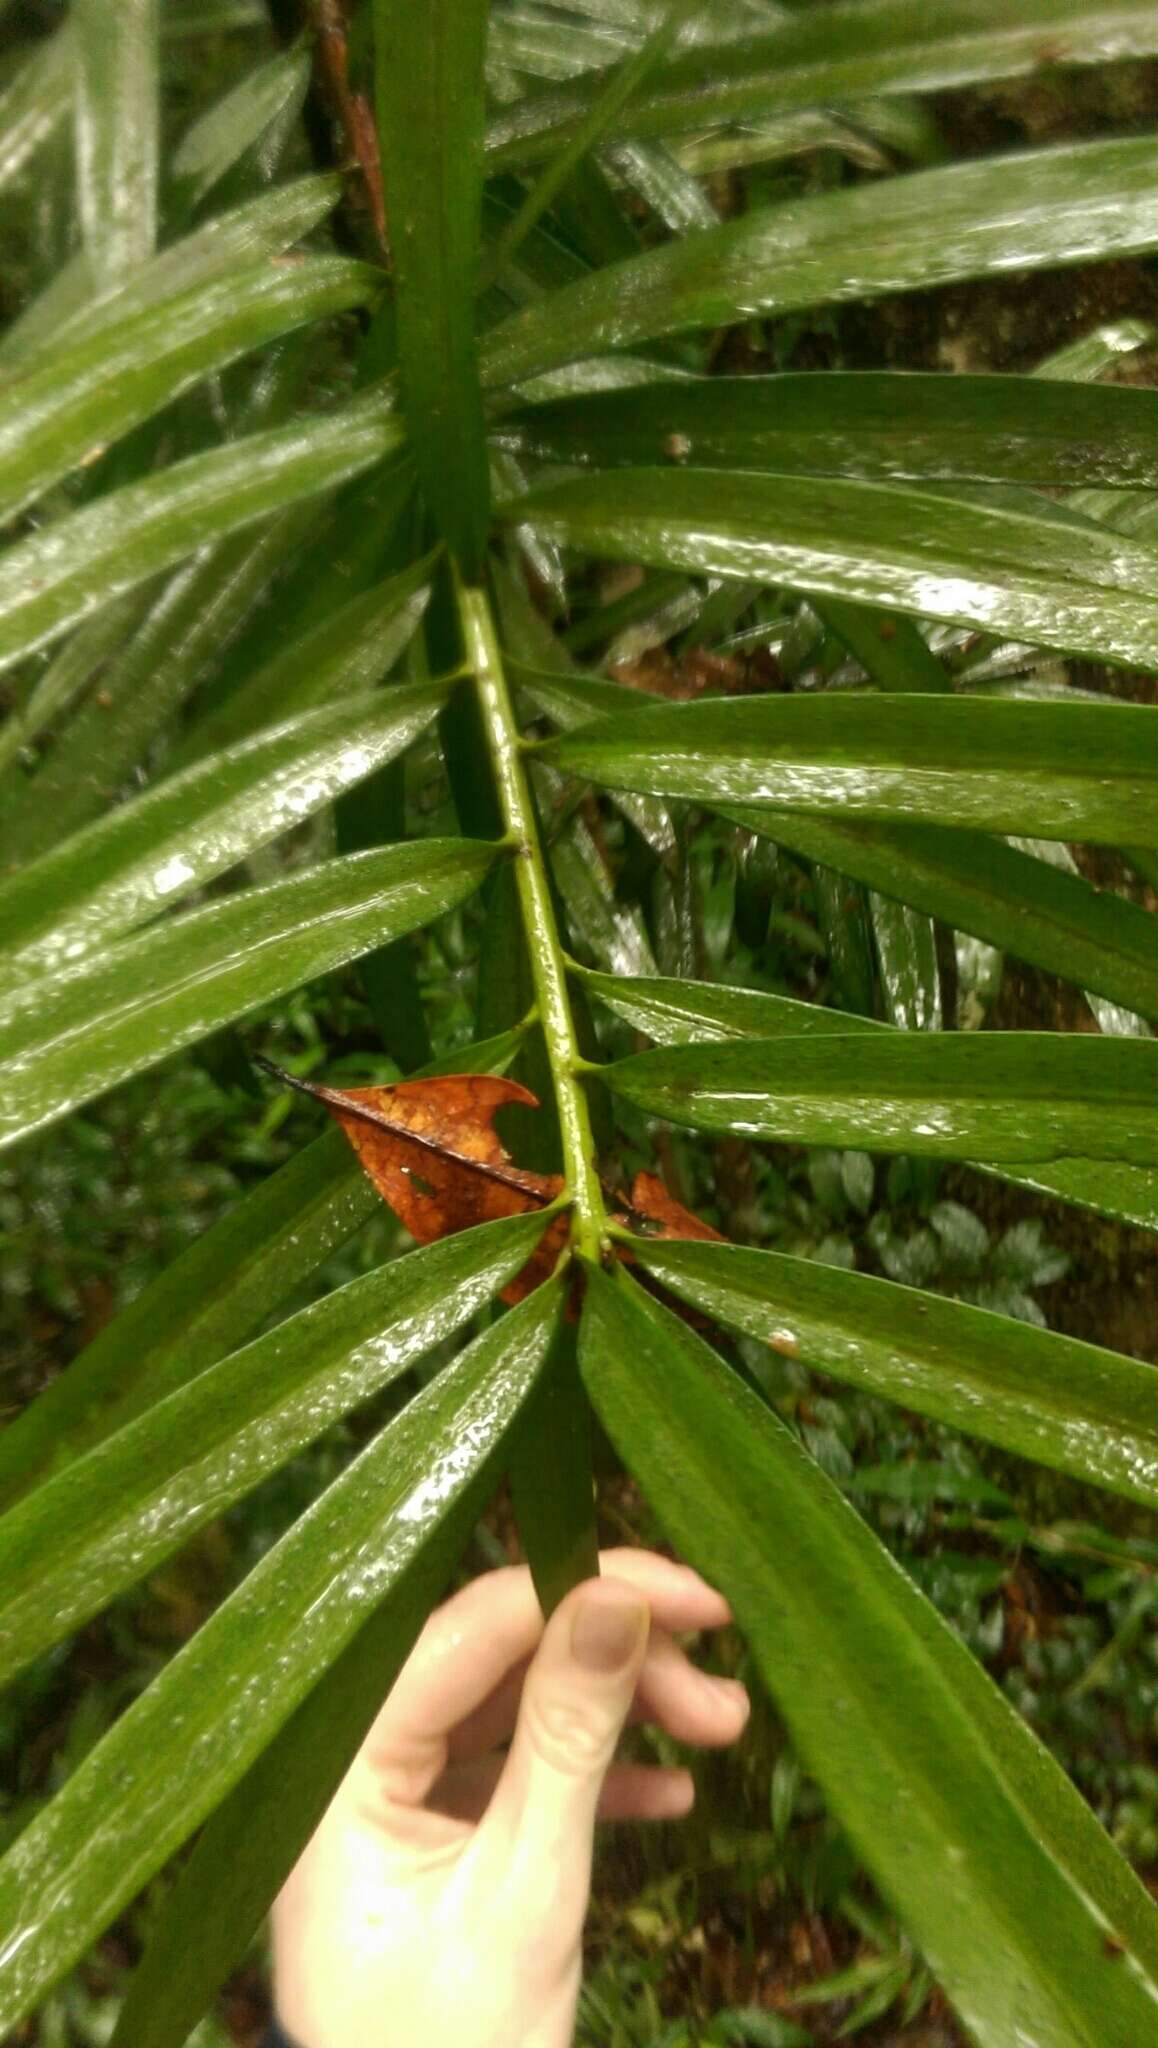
(432, 1152)
(431, 1149)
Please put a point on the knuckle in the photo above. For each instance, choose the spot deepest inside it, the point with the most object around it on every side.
(570, 1735)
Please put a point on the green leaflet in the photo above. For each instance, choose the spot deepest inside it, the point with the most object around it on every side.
(113, 1515)
(997, 1865)
(169, 636)
(976, 884)
(999, 1097)
(354, 645)
(848, 51)
(180, 1748)
(1054, 771)
(1021, 904)
(233, 124)
(69, 1036)
(1035, 575)
(142, 858)
(58, 575)
(34, 105)
(117, 133)
(1086, 1411)
(881, 426)
(73, 403)
(692, 1012)
(264, 227)
(430, 120)
(210, 1300)
(1033, 211)
(250, 1843)
(202, 1306)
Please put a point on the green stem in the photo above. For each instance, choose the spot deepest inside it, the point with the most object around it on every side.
(548, 968)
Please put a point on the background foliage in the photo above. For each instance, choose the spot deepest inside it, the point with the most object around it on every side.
(247, 480)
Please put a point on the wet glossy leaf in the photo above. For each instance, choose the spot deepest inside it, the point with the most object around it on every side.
(81, 1538)
(430, 115)
(1083, 1410)
(354, 645)
(117, 132)
(69, 407)
(1032, 211)
(262, 228)
(999, 1097)
(58, 575)
(146, 855)
(68, 1037)
(1005, 1878)
(859, 48)
(250, 1843)
(698, 1012)
(182, 1746)
(168, 637)
(35, 103)
(879, 425)
(1023, 905)
(215, 141)
(1056, 771)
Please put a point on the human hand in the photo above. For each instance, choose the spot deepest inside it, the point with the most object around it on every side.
(441, 1902)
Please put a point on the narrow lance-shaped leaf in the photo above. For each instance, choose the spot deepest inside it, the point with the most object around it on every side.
(263, 227)
(1024, 905)
(697, 1012)
(1010, 568)
(250, 1843)
(982, 885)
(1081, 1409)
(78, 401)
(616, 92)
(1058, 771)
(117, 132)
(80, 1539)
(180, 1748)
(882, 426)
(430, 125)
(1019, 1902)
(171, 635)
(1033, 211)
(353, 646)
(846, 52)
(34, 104)
(69, 1036)
(998, 1097)
(209, 1301)
(56, 576)
(147, 854)
(215, 141)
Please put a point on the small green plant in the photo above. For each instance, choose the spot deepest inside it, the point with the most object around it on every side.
(251, 472)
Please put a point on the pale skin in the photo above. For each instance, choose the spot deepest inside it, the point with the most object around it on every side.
(442, 1898)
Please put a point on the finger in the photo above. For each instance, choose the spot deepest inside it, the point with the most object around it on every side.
(539, 1827)
(470, 1644)
(630, 1791)
(689, 1704)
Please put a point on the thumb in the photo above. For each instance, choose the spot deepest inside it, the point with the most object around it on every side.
(576, 1697)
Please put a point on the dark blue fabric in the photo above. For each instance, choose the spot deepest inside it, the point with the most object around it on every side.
(275, 2038)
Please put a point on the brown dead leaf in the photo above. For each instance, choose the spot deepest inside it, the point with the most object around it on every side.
(431, 1149)
(432, 1152)
(660, 1215)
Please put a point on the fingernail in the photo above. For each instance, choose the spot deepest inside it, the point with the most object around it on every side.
(607, 1629)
